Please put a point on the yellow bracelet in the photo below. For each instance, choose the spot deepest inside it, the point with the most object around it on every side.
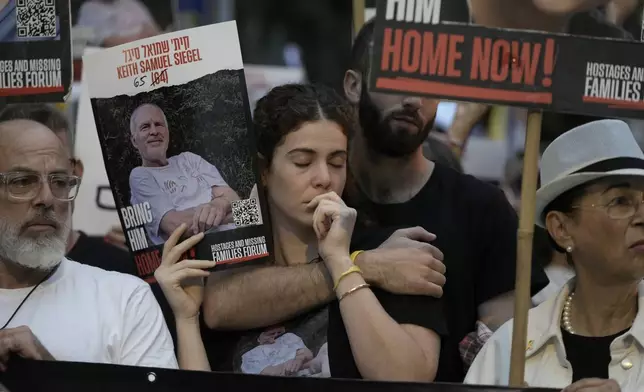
(354, 255)
(351, 270)
(353, 290)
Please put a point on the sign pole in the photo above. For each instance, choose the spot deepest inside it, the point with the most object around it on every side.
(522, 299)
(358, 15)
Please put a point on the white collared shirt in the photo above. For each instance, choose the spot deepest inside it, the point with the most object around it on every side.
(546, 365)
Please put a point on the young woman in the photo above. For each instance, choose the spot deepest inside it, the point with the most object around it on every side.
(302, 135)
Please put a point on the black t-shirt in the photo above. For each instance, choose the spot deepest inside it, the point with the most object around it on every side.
(476, 229)
(94, 251)
(405, 309)
(315, 344)
(588, 356)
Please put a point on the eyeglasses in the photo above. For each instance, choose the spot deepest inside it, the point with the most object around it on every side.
(621, 207)
(26, 186)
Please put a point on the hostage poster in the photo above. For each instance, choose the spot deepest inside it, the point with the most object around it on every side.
(35, 51)
(417, 52)
(174, 126)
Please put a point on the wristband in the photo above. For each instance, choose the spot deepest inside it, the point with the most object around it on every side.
(351, 270)
(354, 255)
(353, 290)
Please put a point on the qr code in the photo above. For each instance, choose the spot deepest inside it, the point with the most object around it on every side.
(246, 212)
(36, 18)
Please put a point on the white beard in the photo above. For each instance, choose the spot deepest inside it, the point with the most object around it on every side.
(42, 253)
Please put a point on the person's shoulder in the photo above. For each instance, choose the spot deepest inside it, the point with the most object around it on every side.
(139, 172)
(539, 319)
(106, 281)
(185, 155)
(472, 189)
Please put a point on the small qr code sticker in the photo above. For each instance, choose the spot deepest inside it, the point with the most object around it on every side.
(246, 212)
(36, 18)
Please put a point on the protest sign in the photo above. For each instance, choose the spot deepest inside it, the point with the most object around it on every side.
(415, 53)
(35, 51)
(174, 125)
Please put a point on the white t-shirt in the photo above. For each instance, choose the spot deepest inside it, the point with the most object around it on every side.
(117, 19)
(86, 314)
(185, 182)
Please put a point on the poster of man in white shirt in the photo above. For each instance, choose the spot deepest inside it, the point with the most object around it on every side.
(184, 188)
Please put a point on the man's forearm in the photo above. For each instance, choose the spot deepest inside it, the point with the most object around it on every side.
(265, 296)
(173, 219)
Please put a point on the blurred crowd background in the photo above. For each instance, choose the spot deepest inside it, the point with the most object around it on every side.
(294, 40)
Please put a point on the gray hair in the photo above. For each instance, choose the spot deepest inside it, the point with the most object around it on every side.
(135, 112)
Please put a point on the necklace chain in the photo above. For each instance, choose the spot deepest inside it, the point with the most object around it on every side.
(26, 297)
(565, 319)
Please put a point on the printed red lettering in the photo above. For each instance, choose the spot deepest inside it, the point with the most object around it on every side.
(411, 51)
(434, 54)
(499, 70)
(454, 55)
(391, 50)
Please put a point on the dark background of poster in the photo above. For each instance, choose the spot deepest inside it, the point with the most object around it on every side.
(205, 116)
(44, 49)
(198, 112)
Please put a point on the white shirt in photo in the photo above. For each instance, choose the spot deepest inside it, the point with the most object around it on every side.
(185, 182)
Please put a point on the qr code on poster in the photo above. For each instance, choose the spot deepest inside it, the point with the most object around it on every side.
(246, 212)
(36, 18)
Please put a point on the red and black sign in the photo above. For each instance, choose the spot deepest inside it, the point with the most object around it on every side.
(554, 72)
(35, 51)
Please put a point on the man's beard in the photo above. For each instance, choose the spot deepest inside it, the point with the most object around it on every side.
(43, 252)
(380, 136)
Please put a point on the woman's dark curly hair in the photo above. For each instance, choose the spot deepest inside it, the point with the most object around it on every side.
(286, 108)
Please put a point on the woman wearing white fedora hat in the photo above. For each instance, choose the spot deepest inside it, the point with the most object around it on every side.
(590, 336)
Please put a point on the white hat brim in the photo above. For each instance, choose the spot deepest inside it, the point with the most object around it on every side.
(549, 192)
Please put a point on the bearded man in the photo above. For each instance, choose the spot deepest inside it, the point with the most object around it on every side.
(51, 307)
(397, 186)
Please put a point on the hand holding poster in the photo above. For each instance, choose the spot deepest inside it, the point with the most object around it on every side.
(173, 122)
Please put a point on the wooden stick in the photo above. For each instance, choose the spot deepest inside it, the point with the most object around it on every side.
(358, 15)
(522, 300)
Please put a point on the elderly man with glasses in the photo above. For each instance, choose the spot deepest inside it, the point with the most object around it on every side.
(51, 307)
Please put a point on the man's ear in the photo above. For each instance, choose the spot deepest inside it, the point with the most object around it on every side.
(557, 224)
(352, 86)
(79, 168)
